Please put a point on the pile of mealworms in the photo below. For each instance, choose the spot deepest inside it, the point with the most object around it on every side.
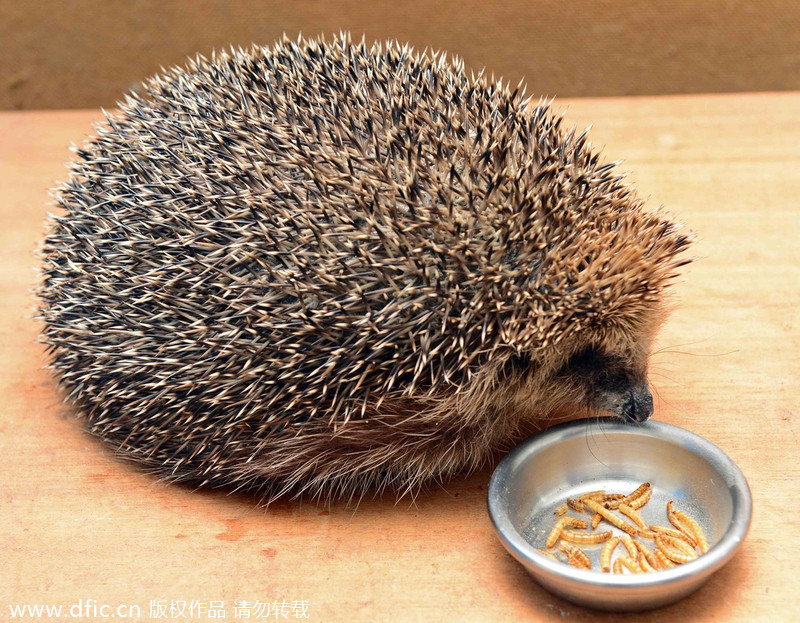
(673, 545)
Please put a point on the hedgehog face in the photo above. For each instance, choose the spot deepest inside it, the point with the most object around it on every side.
(610, 383)
(600, 375)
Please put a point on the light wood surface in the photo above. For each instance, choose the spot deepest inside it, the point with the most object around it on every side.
(78, 524)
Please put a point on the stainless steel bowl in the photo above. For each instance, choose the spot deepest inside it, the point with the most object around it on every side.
(584, 455)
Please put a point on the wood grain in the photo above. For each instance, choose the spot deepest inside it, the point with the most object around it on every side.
(76, 523)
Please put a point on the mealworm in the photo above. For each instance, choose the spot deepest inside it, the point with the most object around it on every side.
(544, 552)
(678, 523)
(629, 563)
(611, 517)
(672, 545)
(585, 538)
(628, 499)
(680, 544)
(605, 555)
(576, 556)
(696, 532)
(647, 556)
(641, 500)
(627, 541)
(663, 561)
(674, 533)
(675, 549)
(645, 565)
(563, 522)
(633, 514)
(575, 504)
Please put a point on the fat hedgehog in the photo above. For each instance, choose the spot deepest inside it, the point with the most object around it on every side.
(328, 268)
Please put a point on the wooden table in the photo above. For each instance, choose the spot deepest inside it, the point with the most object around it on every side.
(77, 524)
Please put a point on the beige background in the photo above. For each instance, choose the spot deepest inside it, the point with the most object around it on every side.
(85, 53)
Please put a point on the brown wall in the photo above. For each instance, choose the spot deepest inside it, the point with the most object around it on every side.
(85, 53)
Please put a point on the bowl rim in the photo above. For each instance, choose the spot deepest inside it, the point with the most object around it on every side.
(524, 552)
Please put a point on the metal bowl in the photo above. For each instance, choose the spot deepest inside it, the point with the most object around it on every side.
(584, 455)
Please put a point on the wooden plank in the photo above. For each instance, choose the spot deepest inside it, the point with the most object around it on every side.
(76, 523)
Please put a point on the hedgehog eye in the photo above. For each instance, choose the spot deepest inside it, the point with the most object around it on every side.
(597, 367)
(592, 365)
(586, 360)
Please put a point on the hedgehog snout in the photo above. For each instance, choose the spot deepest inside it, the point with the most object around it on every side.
(629, 400)
(637, 406)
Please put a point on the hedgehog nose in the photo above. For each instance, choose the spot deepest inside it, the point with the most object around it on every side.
(639, 405)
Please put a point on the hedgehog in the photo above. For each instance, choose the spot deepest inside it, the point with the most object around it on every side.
(324, 268)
